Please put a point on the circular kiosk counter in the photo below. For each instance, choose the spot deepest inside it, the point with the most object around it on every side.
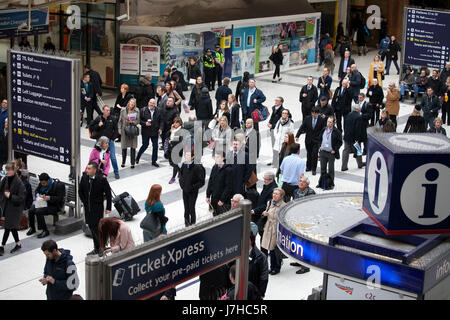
(331, 233)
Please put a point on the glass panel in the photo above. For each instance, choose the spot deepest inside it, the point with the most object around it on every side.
(5, 44)
(53, 28)
(102, 49)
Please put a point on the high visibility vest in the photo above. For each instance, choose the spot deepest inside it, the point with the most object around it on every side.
(208, 61)
(220, 56)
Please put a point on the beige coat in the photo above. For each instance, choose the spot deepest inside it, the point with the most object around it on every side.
(392, 102)
(269, 240)
(128, 142)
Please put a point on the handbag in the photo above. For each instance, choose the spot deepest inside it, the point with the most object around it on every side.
(252, 180)
(151, 224)
(131, 130)
(212, 124)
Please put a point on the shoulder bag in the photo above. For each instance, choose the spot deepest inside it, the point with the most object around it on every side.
(151, 224)
(131, 130)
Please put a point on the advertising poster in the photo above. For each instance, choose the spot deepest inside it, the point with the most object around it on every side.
(10, 20)
(150, 60)
(301, 28)
(129, 59)
(180, 47)
(236, 70)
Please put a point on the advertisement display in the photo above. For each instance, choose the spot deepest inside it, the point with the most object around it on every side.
(129, 59)
(150, 60)
(11, 20)
(41, 105)
(427, 42)
(157, 270)
(344, 289)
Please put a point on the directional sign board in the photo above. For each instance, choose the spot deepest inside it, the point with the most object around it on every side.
(407, 183)
(427, 41)
(43, 102)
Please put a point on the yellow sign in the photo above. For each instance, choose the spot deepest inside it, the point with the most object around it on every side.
(225, 42)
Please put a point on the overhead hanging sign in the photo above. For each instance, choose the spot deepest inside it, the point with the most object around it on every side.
(11, 20)
(427, 41)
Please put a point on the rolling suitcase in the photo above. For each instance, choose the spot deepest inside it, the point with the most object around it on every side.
(125, 205)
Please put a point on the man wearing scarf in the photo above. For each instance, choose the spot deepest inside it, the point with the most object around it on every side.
(50, 195)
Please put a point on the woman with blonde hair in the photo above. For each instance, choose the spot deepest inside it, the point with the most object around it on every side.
(153, 205)
(376, 70)
(416, 122)
(128, 121)
(222, 135)
(392, 102)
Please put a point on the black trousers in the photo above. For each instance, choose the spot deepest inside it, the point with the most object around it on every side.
(375, 116)
(6, 236)
(339, 117)
(327, 158)
(446, 112)
(218, 74)
(189, 200)
(393, 118)
(289, 191)
(95, 236)
(312, 151)
(210, 77)
(277, 71)
(39, 213)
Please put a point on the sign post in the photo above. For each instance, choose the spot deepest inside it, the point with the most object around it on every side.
(44, 116)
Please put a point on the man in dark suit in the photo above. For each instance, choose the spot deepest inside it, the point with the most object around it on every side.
(150, 124)
(330, 143)
(308, 97)
(354, 131)
(92, 191)
(346, 61)
(241, 167)
(342, 102)
(252, 98)
(87, 95)
(312, 126)
(96, 81)
(325, 110)
(252, 141)
(366, 109)
(277, 109)
(431, 107)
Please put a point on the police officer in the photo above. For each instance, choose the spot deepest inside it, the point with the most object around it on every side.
(209, 69)
(219, 59)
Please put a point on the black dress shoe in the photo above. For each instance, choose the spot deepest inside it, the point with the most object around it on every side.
(295, 264)
(273, 272)
(302, 270)
(344, 169)
(31, 231)
(137, 161)
(93, 252)
(132, 166)
(314, 172)
(308, 169)
(43, 234)
(16, 248)
(123, 165)
(155, 164)
(363, 165)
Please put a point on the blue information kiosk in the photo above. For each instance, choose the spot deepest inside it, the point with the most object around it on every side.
(401, 251)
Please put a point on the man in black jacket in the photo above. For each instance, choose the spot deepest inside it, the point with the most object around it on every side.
(241, 167)
(252, 141)
(325, 110)
(277, 109)
(181, 80)
(376, 96)
(354, 131)
(308, 97)
(105, 125)
(330, 143)
(150, 124)
(168, 114)
(346, 61)
(87, 97)
(366, 109)
(223, 92)
(144, 92)
(49, 202)
(312, 126)
(219, 190)
(96, 81)
(258, 266)
(93, 190)
(342, 102)
(430, 107)
(192, 178)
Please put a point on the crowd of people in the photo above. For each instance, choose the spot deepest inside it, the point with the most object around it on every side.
(330, 120)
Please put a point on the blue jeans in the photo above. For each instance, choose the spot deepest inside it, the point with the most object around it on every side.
(388, 65)
(112, 149)
(145, 144)
(417, 89)
(403, 87)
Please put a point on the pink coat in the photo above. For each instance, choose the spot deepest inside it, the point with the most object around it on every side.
(95, 157)
(124, 239)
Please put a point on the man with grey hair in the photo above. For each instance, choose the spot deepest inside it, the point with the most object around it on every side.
(354, 131)
(235, 200)
(264, 198)
(342, 101)
(150, 123)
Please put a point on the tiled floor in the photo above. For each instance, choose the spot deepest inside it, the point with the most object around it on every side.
(19, 273)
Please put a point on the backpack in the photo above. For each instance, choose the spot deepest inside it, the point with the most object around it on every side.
(260, 115)
(363, 81)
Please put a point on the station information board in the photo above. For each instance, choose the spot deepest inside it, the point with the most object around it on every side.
(42, 101)
(427, 40)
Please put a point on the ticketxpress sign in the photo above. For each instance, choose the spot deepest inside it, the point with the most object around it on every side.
(155, 270)
(11, 20)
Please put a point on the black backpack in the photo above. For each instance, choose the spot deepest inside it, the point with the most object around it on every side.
(363, 81)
